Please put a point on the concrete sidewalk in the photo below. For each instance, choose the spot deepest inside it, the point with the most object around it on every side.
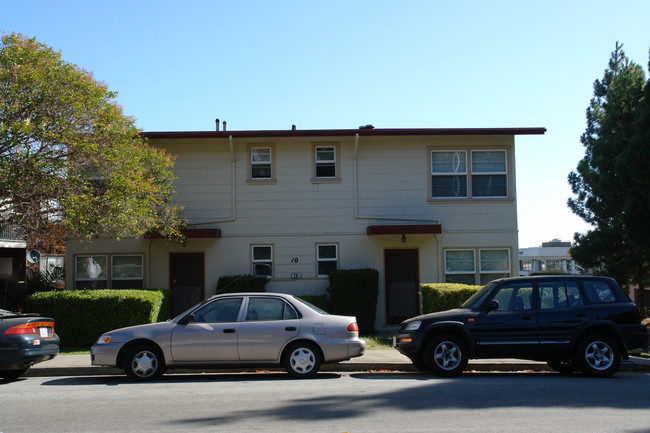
(372, 360)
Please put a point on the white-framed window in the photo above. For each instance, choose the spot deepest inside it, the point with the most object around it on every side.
(460, 266)
(127, 271)
(262, 260)
(261, 162)
(489, 174)
(448, 174)
(326, 258)
(462, 174)
(91, 272)
(325, 162)
(494, 263)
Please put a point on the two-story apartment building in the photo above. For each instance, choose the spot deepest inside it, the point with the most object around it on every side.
(418, 205)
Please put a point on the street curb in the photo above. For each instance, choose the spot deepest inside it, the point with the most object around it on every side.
(637, 365)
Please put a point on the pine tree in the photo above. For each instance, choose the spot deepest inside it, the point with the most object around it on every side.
(606, 189)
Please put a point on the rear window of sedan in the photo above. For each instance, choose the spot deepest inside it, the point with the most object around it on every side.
(269, 309)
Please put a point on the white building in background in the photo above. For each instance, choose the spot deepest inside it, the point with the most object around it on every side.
(552, 256)
(418, 205)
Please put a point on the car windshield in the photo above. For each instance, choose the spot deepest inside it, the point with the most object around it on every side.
(477, 298)
(313, 307)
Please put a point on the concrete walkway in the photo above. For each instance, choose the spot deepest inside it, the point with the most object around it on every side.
(372, 360)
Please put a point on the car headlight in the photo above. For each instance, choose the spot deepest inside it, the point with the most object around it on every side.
(413, 326)
(104, 339)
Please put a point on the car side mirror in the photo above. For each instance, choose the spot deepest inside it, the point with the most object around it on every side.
(492, 305)
(187, 319)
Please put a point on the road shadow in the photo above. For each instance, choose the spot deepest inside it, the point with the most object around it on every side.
(413, 393)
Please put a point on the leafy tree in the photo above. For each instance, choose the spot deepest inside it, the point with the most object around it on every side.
(69, 156)
(609, 194)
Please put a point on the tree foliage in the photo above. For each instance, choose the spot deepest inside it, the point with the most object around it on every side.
(68, 154)
(612, 182)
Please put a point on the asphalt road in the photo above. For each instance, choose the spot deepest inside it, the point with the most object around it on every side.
(333, 402)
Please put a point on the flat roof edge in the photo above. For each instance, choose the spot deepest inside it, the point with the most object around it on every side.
(345, 132)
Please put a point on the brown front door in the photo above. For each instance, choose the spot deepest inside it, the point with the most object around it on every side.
(402, 285)
(186, 280)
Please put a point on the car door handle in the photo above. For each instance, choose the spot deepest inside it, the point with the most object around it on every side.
(290, 328)
(581, 314)
(229, 331)
(527, 317)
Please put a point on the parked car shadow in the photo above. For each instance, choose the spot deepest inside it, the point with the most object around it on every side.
(183, 378)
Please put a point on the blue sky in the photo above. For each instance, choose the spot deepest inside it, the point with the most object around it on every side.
(178, 65)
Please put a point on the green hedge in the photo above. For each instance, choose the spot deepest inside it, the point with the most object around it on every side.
(240, 283)
(317, 301)
(353, 292)
(83, 315)
(440, 297)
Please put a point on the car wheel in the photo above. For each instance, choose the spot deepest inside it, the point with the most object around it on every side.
(12, 374)
(446, 356)
(144, 363)
(564, 367)
(598, 356)
(302, 360)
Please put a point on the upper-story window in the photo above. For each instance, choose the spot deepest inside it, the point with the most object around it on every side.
(325, 162)
(489, 176)
(483, 176)
(449, 174)
(261, 162)
(326, 167)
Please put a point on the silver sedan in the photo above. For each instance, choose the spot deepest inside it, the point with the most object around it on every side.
(238, 329)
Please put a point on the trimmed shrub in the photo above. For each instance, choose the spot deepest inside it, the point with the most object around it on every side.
(83, 315)
(440, 297)
(317, 301)
(240, 283)
(354, 292)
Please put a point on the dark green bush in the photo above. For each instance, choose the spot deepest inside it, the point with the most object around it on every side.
(83, 315)
(240, 283)
(353, 292)
(440, 297)
(317, 301)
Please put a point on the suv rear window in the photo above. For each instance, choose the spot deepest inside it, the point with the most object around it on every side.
(599, 292)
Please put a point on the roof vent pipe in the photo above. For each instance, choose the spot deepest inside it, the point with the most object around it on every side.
(217, 122)
(224, 125)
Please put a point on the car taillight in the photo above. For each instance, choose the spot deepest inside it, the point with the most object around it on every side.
(353, 327)
(31, 328)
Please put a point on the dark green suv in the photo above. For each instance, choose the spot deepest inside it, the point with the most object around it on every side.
(571, 322)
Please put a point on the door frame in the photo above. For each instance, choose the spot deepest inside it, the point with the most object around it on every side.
(201, 256)
(418, 307)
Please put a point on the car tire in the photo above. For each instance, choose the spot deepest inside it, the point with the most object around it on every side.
(144, 363)
(302, 360)
(12, 374)
(563, 367)
(446, 355)
(598, 356)
(419, 363)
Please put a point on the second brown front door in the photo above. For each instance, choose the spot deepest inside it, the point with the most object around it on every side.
(402, 285)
